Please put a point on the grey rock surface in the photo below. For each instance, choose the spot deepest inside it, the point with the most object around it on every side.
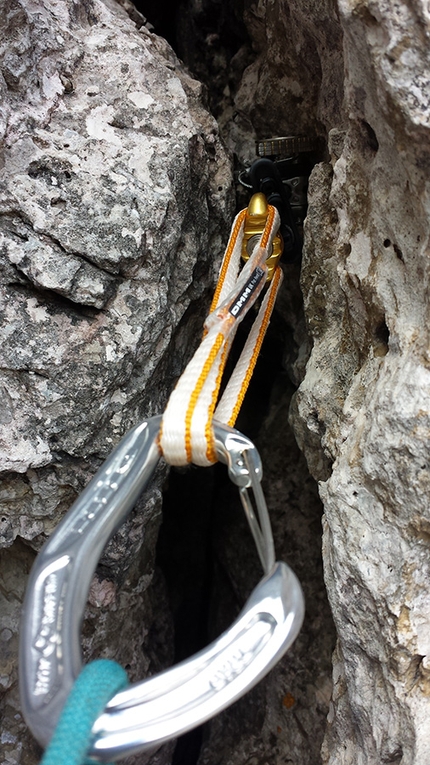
(115, 201)
(359, 74)
(362, 411)
(294, 84)
(115, 193)
(284, 717)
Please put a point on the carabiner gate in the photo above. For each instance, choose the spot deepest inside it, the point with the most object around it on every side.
(162, 707)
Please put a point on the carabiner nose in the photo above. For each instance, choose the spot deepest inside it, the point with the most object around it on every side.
(246, 471)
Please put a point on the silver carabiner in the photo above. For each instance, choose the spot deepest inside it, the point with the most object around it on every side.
(160, 708)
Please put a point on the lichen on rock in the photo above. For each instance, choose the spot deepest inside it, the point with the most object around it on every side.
(362, 411)
(115, 197)
(115, 201)
(358, 73)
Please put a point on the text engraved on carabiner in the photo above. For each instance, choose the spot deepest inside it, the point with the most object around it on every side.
(231, 668)
(105, 489)
(47, 637)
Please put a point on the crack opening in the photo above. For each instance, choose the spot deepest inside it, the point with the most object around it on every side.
(205, 551)
(54, 301)
(207, 557)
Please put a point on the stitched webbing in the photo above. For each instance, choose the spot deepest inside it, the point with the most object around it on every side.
(186, 434)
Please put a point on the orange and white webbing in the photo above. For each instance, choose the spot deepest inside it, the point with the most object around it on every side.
(186, 433)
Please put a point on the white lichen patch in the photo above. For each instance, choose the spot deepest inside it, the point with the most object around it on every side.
(19, 453)
(36, 312)
(359, 260)
(140, 99)
(99, 127)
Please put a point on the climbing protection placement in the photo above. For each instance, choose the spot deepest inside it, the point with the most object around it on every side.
(78, 713)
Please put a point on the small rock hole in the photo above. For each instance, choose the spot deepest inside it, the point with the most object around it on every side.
(346, 249)
(387, 243)
(370, 136)
(398, 252)
(393, 758)
(381, 338)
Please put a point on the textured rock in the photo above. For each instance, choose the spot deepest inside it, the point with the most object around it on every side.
(115, 198)
(358, 72)
(362, 412)
(284, 717)
(295, 84)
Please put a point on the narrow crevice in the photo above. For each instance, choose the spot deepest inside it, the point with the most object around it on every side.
(185, 558)
(161, 17)
(207, 556)
(55, 302)
(210, 38)
(205, 551)
(198, 507)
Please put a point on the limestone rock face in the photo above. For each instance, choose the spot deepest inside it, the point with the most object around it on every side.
(115, 198)
(359, 74)
(115, 194)
(294, 83)
(362, 411)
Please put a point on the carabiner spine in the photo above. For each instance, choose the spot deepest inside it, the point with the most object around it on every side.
(50, 654)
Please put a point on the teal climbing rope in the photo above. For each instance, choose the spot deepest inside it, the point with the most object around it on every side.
(94, 687)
